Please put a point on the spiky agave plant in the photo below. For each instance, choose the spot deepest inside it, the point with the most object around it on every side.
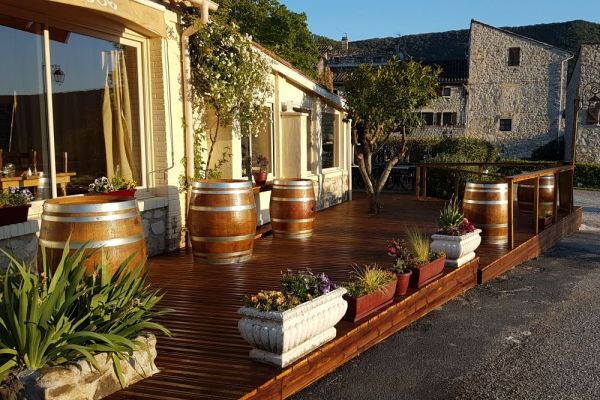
(450, 216)
(64, 315)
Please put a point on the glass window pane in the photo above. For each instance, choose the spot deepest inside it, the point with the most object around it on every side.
(261, 145)
(328, 136)
(23, 123)
(96, 103)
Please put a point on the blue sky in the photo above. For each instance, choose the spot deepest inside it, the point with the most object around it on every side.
(379, 18)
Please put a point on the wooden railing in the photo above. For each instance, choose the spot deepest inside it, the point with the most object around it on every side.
(563, 185)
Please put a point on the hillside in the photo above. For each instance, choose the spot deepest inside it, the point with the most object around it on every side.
(453, 44)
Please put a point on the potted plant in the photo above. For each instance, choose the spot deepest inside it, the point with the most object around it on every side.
(371, 289)
(457, 237)
(76, 336)
(282, 326)
(260, 172)
(426, 265)
(398, 250)
(14, 205)
(117, 186)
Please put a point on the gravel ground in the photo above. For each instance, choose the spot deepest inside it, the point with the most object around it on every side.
(590, 201)
(532, 333)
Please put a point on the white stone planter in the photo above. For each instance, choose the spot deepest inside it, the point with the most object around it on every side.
(280, 338)
(458, 249)
(80, 380)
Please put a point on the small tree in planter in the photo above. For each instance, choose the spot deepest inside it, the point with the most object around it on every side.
(282, 326)
(81, 336)
(457, 237)
(426, 264)
(14, 205)
(371, 289)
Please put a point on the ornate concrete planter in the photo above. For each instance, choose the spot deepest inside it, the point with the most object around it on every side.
(280, 338)
(458, 249)
(80, 380)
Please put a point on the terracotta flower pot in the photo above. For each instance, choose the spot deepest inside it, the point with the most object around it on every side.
(402, 283)
(260, 177)
(427, 273)
(360, 307)
(14, 214)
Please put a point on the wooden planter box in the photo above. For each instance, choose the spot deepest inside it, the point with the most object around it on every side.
(14, 215)
(80, 380)
(360, 307)
(427, 273)
(280, 338)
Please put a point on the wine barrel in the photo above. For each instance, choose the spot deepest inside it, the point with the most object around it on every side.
(222, 221)
(103, 224)
(525, 196)
(486, 206)
(292, 208)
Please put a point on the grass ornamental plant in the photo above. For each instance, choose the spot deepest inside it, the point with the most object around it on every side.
(64, 315)
(296, 288)
(368, 279)
(15, 197)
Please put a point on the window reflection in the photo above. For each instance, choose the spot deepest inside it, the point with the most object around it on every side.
(23, 123)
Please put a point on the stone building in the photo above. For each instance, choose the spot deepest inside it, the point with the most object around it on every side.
(585, 81)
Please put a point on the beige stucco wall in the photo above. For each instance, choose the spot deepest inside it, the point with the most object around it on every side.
(531, 94)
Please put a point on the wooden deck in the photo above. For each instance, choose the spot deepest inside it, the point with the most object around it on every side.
(207, 359)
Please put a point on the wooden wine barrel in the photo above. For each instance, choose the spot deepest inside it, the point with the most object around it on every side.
(525, 195)
(104, 224)
(292, 208)
(486, 206)
(222, 221)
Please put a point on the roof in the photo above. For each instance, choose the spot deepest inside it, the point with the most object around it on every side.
(539, 43)
(453, 71)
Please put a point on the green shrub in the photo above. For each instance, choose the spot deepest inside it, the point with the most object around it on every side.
(587, 175)
(551, 151)
(65, 315)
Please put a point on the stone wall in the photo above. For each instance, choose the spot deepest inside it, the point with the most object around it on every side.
(154, 212)
(332, 189)
(456, 103)
(19, 240)
(532, 94)
(588, 134)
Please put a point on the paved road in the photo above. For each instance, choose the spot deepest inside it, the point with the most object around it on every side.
(590, 201)
(533, 333)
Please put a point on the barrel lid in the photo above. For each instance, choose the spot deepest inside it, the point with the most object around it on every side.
(292, 182)
(90, 204)
(222, 184)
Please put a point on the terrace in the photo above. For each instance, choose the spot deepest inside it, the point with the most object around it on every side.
(207, 358)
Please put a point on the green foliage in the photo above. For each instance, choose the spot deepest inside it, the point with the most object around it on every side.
(15, 197)
(65, 315)
(304, 285)
(451, 215)
(368, 279)
(232, 79)
(325, 78)
(381, 101)
(587, 175)
(551, 151)
(274, 26)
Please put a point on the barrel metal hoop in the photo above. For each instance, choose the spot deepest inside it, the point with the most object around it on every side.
(222, 239)
(293, 187)
(223, 255)
(223, 185)
(90, 208)
(533, 186)
(297, 183)
(499, 190)
(531, 203)
(296, 199)
(493, 225)
(98, 218)
(487, 185)
(492, 202)
(293, 233)
(291, 220)
(96, 244)
(198, 191)
(223, 209)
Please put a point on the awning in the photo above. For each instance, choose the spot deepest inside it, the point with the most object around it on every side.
(129, 13)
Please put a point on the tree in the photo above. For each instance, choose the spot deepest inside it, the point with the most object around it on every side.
(274, 26)
(231, 78)
(381, 102)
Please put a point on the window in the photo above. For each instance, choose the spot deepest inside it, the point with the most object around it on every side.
(261, 145)
(437, 119)
(514, 56)
(328, 127)
(96, 106)
(593, 111)
(427, 118)
(446, 92)
(309, 144)
(506, 124)
(449, 118)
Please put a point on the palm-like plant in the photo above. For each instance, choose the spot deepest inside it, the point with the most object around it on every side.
(65, 315)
